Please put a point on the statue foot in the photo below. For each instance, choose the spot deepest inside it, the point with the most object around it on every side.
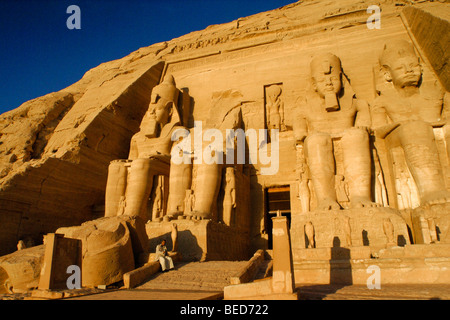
(437, 198)
(363, 203)
(328, 204)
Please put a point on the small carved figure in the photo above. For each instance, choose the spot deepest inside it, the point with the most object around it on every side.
(189, 202)
(380, 186)
(388, 229)
(21, 245)
(275, 108)
(425, 230)
(174, 236)
(403, 189)
(310, 233)
(342, 193)
(157, 202)
(433, 232)
(303, 187)
(347, 231)
(229, 200)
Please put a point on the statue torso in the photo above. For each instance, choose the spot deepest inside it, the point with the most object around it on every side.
(333, 122)
(399, 109)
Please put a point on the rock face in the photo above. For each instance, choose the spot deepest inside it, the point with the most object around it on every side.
(55, 150)
(20, 270)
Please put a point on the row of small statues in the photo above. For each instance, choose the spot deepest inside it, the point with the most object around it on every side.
(331, 111)
(342, 224)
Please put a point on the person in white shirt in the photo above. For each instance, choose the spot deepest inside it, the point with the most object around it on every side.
(164, 259)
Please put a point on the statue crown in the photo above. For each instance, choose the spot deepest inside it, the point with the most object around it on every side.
(325, 63)
(394, 50)
(167, 89)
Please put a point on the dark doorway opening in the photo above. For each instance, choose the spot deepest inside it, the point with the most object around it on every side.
(277, 199)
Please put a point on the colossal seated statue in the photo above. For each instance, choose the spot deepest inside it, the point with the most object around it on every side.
(131, 181)
(333, 112)
(407, 111)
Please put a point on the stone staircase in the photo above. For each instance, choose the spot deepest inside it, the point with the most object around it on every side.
(195, 276)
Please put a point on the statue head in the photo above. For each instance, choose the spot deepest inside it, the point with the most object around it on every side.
(273, 92)
(229, 174)
(326, 73)
(162, 107)
(401, 64)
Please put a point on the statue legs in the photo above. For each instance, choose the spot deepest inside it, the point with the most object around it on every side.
(357, 166)
(180, 179)
(208, 182)
(115, 186)
(139, 187)
(422, 158)
(319, 152)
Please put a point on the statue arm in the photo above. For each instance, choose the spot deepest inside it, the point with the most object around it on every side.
(446, 108)
(380, 124)
(233, 197)
(133, 149)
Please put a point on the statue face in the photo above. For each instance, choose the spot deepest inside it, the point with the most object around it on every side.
(159, 110)
(157, 115)
(405, 71)
(327, 82)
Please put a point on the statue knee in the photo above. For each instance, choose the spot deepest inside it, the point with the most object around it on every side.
(317, 143)
(320, 139)
(140, 164)
(355, 135)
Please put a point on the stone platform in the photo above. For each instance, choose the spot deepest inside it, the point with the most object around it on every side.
(201, 240)
(411, 264)
(351, 227)
(347, 242)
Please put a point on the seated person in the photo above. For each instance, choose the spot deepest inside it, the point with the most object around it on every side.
(161, 255)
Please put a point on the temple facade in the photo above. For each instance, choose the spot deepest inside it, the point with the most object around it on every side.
(325, 114)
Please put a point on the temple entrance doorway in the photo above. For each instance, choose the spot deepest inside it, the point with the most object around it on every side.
(277, 199)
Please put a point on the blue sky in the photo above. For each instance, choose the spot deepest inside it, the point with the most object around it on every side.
(39, 54)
